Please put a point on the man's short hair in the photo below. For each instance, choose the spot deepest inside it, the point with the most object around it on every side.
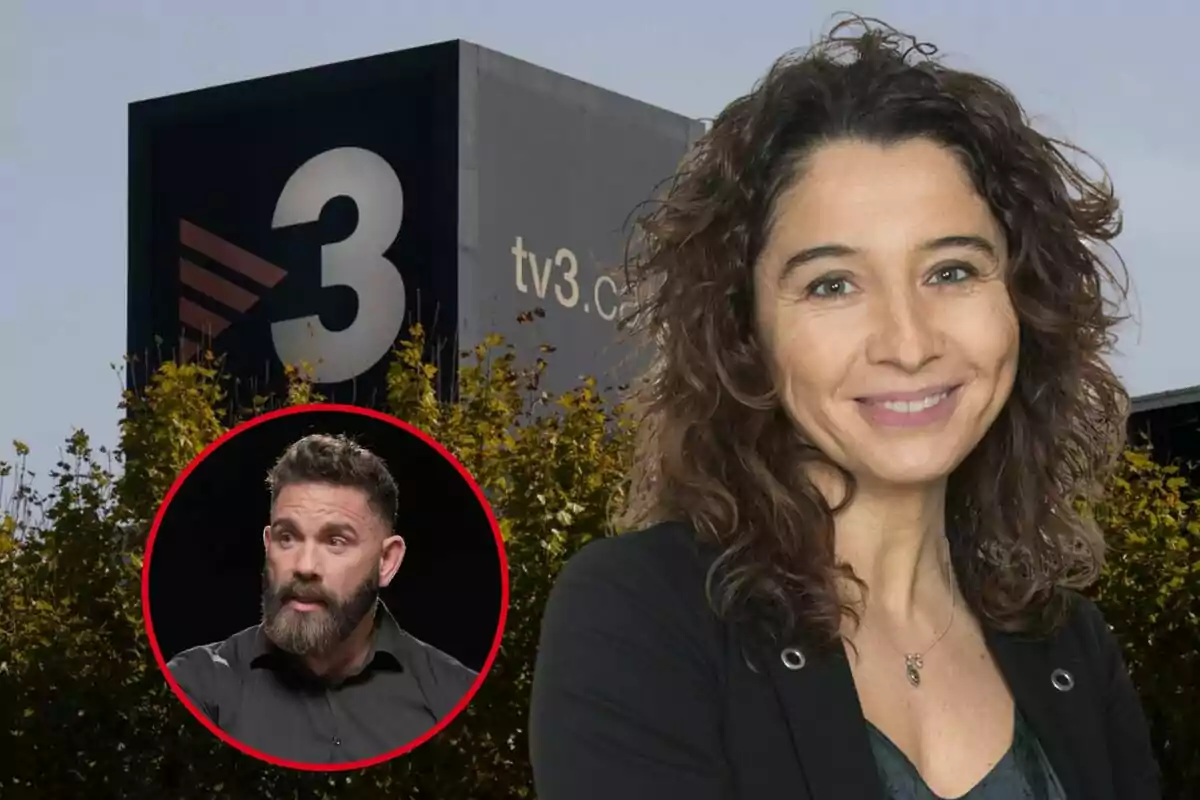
(337, 460)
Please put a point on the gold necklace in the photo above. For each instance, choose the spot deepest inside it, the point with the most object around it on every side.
(915, 662)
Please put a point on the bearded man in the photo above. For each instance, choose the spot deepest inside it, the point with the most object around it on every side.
(328, 676)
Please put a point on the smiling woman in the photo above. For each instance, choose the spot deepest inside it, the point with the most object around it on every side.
(895, 347)
(880, 393)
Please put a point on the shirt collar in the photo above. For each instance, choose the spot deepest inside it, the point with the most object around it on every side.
(387, 645)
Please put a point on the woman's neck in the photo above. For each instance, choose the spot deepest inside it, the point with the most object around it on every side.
(894, 539)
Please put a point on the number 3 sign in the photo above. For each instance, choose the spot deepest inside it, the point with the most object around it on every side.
(356, 262)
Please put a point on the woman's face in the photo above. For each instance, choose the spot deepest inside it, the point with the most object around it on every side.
(882, 305)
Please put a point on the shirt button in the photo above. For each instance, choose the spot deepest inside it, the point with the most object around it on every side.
(337, 742)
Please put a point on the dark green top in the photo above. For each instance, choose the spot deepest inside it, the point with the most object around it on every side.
(1024, 773)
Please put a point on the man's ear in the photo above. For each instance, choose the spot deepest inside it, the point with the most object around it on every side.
(266, 537)
(390, 558)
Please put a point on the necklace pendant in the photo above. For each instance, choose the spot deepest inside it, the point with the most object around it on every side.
(912, 668)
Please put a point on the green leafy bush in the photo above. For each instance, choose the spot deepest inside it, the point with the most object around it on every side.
(87, 714)
(1150, 594)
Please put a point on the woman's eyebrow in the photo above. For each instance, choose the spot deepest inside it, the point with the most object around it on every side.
(972, 241)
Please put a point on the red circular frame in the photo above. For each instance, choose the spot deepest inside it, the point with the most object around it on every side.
(466, 699)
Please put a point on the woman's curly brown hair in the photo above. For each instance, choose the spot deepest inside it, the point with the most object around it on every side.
(717, 448)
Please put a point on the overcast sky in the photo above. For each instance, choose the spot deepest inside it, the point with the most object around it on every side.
(1118, 77)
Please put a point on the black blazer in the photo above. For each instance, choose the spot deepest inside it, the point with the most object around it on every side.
(641, 693)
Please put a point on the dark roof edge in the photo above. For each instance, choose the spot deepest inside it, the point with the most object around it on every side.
(1159, 400)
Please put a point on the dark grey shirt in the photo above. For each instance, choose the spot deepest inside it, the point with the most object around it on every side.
(266, 699)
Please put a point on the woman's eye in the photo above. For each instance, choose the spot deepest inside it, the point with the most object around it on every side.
(830, 287)
(955, 273)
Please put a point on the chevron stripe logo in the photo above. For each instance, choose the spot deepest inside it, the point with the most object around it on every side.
(202, 323)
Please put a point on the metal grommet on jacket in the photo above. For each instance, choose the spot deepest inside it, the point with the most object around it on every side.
(792, 658)
(1062, 680)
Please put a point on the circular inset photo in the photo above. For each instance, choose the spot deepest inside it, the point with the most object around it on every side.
(325, 587)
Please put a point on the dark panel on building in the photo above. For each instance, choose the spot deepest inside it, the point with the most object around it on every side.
(1171, 423)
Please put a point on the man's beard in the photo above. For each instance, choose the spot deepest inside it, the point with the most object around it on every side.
(307, 633)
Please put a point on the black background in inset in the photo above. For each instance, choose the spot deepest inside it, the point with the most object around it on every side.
(219, 157)
(207, 561)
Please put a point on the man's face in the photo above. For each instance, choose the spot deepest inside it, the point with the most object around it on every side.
(327, 554)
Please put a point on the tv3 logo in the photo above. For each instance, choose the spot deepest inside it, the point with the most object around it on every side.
(356, 262)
